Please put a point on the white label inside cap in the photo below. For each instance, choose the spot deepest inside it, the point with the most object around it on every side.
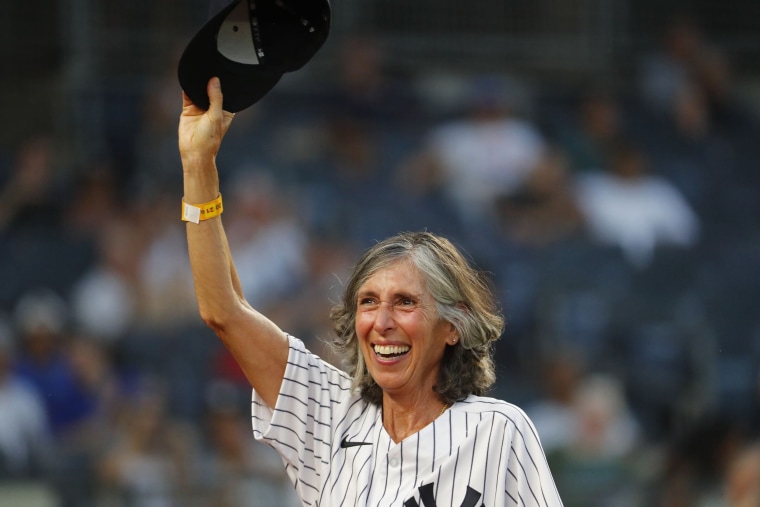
(235, 39)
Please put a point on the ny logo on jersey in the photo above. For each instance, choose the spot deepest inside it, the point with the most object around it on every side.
(428, 499)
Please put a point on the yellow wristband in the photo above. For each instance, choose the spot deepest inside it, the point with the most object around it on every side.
(196, 213)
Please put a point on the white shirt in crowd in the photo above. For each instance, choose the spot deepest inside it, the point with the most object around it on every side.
(636, 214)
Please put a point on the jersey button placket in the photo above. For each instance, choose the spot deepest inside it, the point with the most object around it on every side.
(394, 457)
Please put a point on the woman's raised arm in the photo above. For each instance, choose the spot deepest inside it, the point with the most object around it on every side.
(257, 344)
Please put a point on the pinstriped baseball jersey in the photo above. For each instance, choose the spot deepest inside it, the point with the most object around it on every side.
(482, 452)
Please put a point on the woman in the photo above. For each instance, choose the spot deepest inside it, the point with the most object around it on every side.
(406, 425)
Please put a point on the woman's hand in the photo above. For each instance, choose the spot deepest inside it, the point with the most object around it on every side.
(201, 132)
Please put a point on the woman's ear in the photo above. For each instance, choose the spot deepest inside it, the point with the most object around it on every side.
(453, 337)
(454, 333)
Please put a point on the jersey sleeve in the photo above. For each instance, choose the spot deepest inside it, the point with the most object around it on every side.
(300, 427)
(529, 479)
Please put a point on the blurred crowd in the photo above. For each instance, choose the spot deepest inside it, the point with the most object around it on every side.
(619, 226)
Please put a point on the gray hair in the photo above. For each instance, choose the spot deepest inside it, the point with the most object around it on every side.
(463, 297)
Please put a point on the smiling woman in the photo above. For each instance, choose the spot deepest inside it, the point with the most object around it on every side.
(402, 342)
(432, 279)
(408, 422)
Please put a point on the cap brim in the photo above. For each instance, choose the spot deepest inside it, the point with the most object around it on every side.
(242, 85)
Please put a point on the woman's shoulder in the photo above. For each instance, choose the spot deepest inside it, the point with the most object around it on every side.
(497, 412)
(495, 407)
(304, 362)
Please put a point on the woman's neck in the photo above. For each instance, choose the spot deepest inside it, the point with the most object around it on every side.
(402, 419)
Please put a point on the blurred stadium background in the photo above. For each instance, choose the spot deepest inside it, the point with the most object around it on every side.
(633, 335)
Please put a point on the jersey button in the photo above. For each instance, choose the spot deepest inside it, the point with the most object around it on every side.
(394, 462)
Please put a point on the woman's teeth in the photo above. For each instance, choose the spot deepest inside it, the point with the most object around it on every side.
(391, 350)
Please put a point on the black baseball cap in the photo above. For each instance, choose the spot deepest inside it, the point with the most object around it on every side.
(249, 45)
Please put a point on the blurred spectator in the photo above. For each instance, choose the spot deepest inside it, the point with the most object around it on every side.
(78, 450)
(306, 311)
(31, 196)
(237, 471)
(356, 174)
(688, 149)
(95, 200)
(365, 86)
(696, 463)
(553, 413)
(93, 369)
(263, 232)
(26, 444)
(485, 155)
(155, 144)
(105, 298)
(674, 64)
(42, 319)
(594, 467)
(605, 424)
(685, 61)
(166, 296)
(707, 150)
(149, 461)
(36, 249)
(690, 114)
(543, 210)
(596, 126)
(742, 485)
(629, 207)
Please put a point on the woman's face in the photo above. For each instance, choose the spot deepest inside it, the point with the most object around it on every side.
(400, 334)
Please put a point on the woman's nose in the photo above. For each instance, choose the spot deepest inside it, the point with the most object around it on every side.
(384, 318)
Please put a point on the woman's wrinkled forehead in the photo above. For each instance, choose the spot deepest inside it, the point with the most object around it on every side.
(384, 255)
(392, 264)
(389, 265)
